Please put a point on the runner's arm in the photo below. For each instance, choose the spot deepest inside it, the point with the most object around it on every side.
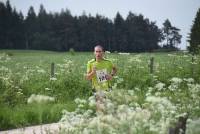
(114, 71)
(110, 76)
(90, 75)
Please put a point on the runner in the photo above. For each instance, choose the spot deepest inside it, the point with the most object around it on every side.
(100, 71)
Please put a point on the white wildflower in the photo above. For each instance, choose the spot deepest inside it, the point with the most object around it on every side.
(114, 86)
(185, 56)
(53, 78)
(171, 55)
(120, 80)
(41, 71)
(48, 89)
(176, 80)
(173, 87)
(159, 100)
(108, 52)
(88, 113)
(135, 59)
(92, 101)
(19, 93)
(159, 86)
(124, 53)
(40, 99)
(131, 92)
(194, 63)
(189, 80)
(148, 94)
(137, 89)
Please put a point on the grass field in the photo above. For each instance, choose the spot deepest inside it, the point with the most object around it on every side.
(29, 95)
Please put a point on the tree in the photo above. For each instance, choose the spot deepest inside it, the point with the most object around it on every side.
(62, 31)
(66, 30)
(194, 37)
(11, 27)
(8, 26)
(18, 30)
(153, 36)
(142, 35)
(43, 37)
(171, 35)
(176, 37)
(120, 40)
(2, 25)
(31, 27)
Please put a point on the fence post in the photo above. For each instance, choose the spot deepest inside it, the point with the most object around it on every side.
(192, 66)
(52, 69)
(180, 126)
(151, 65)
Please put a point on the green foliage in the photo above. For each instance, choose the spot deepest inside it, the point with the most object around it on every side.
(194, 40)
(152, 111)
(72, 51)
(62, 31)
(34, 114)
(28, 72)
(9, 53)
(11, 97)
(171, 35)
(5, 119)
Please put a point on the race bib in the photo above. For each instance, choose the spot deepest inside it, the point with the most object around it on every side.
(101, 75)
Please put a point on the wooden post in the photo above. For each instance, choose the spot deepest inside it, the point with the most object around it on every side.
(52, 70)
(192, 66)
(180, 126)
(151, 65)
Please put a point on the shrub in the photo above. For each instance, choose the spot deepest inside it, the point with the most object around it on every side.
(72, 51)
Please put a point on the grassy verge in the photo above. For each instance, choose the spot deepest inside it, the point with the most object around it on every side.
(33, 114)
(24, 73)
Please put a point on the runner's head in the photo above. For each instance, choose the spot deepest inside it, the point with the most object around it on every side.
(98, 52)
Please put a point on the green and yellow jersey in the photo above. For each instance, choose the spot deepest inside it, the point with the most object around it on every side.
(103, 68)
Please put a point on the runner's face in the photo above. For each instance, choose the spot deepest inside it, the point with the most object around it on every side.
(98, 53)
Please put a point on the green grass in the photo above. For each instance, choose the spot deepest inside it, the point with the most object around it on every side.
(33, 114)
(24, 72)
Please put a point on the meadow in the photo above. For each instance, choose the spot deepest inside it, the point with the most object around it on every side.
(141, 101)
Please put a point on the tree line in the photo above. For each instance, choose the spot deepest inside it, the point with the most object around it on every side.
(194, 35)
(62, 31)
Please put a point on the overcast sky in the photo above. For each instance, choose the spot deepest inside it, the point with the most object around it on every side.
(181, 13)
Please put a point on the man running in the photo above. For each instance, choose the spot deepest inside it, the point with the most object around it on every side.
(100, 71)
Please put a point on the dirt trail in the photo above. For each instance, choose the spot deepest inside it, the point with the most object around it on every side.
(40, 129)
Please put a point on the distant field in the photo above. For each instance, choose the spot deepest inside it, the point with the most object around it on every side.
(24, 73)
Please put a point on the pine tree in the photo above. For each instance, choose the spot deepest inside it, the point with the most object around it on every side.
(194, 36)
(31, 27)
(2, 25)
(171, 35)
(120, 40)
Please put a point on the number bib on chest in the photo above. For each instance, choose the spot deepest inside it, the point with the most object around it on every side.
(101, 75)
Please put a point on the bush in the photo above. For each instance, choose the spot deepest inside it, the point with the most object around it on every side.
(9, 54)
(32, 117)
(12, 96)
(72, 51)
(5, 119)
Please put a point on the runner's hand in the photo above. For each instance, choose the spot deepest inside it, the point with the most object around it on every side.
(94, 69)
(109, 77)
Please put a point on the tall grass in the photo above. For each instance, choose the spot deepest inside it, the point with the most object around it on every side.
(23, 73)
